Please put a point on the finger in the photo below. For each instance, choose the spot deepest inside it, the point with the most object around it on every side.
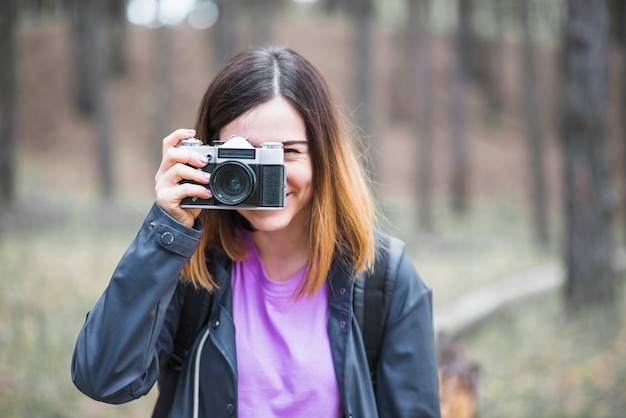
(178, 156)
(173, 139)
(171, 205)
(173, 196)
(169, 184)
(184, 174)
(179, 172)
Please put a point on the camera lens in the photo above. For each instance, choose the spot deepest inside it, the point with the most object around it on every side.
(232, 183)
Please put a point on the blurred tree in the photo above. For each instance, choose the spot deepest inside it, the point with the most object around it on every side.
(622, 42)
(116, 28)
(89, 75)
(589, 197)
(493, 63)
(534, 132)
(8, 29)
(225, 33)
(331, 6)
(618, 31)
(459, 167)
(30, 9)
(163, 66)
(617, 15)
(84, 37)
(364, 15)
(422, 63)
(403, 81)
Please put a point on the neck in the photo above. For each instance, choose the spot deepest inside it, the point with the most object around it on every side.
(283, 253)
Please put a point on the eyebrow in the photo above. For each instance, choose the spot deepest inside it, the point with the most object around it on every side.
(294, 143)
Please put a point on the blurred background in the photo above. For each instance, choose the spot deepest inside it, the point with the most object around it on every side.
(494, 131)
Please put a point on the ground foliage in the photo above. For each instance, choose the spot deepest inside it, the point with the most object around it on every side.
(538, 361)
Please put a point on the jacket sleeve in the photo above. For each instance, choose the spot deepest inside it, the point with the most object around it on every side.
(116, 355)
(407, 381)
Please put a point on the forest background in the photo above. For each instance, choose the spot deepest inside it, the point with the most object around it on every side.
(494, 130)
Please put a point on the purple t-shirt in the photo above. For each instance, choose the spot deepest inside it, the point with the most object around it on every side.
(284, 362)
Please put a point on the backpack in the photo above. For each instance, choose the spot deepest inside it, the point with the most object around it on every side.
(370, 305)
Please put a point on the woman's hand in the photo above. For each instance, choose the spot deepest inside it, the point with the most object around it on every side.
(178, 165)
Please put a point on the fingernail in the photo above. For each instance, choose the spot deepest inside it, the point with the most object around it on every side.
(204, 160)
(191, 132)
(207, 176)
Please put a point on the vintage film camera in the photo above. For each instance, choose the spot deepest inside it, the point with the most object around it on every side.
(242, 176)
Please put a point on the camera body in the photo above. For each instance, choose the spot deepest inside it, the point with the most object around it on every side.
(242, 176)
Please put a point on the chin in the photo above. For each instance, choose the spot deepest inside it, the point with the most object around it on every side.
(267, 221)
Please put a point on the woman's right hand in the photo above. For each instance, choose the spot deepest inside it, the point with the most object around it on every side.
(177, 165)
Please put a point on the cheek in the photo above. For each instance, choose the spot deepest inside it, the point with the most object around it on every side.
(299, 174)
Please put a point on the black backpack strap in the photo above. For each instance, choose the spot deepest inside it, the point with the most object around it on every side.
(194, 314)
(374, 308)
(372, 295)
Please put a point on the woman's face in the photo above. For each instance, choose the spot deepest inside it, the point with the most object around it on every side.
(278, 121)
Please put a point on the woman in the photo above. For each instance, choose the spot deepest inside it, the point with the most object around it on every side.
(282, 279)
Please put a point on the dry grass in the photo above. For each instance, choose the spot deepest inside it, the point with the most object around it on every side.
(539, 362)
(51, 273)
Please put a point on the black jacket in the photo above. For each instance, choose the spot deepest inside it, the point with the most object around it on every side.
(116, 358)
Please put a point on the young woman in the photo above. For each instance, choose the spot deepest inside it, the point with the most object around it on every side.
(282, 339)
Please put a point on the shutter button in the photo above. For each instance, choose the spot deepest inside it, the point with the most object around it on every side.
(167, 238)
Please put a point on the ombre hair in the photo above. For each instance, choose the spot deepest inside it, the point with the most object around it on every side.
(341, 210)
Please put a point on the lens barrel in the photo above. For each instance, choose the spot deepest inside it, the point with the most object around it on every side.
(232, 183)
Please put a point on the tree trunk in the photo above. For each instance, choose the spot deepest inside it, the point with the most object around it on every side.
(419, 20)
(363, 13)
(534, 132)
(8, 24)
(589, 198)
(364, 34)
(402, 94)
(618, 14)
(116, 28)
(494, 86)
(623, 109)
(459, 174)
(163, 54)
(89, 50)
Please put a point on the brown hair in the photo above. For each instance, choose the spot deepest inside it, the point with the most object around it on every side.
(341, 213)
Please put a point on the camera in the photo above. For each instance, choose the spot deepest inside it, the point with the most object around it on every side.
(242, 176)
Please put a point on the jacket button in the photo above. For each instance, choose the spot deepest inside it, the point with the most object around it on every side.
(342, 291)
(152, 224)
(216, 324)
(342, 324)
(230, 409)
(167, 238)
